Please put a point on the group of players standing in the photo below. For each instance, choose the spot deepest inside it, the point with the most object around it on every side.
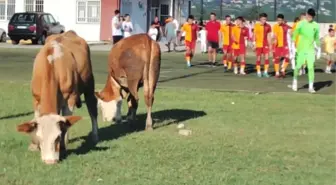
(284, 42)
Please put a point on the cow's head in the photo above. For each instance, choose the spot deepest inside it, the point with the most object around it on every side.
(49, 131)
(110, 100)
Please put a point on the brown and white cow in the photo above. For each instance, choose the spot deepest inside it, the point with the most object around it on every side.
(62, 72)
(132, 62)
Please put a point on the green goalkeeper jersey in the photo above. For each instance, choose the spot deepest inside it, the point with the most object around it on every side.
(309, 33)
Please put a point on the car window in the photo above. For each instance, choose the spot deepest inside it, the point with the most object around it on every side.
(51, 19)
(23, 18)
(46, 19)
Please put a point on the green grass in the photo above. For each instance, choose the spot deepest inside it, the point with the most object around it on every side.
(274, 137)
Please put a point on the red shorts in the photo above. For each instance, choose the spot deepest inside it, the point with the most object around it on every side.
(240, 51)
(227, 49)
(190, 45)
(262, 51)
(281, 52)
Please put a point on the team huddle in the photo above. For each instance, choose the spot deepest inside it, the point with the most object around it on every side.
(298, 44)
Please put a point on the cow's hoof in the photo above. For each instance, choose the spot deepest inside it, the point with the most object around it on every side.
(95, 138)
(33, 147)
(130, 120)
(117, 121)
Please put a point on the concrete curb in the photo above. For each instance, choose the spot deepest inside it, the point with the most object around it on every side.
(99, 43)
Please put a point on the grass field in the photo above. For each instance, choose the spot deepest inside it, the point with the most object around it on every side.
(239, 137)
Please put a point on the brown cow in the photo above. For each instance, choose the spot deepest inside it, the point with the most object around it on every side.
(132, 62)
(62, 72)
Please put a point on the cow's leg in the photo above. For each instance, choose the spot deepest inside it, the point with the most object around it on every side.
(132, 100)
(91, 103)
(67, 110)
(149, 99)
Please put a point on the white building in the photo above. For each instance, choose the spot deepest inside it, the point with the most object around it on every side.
(91, 19)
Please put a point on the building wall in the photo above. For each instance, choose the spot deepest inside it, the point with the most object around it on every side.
(107, 12)
(65, 11)
(138, 12)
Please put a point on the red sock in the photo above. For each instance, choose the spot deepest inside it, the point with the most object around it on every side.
(329, 63)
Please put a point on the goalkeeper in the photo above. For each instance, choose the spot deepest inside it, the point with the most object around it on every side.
(309, 33)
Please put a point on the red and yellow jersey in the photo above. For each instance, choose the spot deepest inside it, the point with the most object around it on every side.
(280, 32)
(190, 32)
(293, 28)
(239, 36)
(261, 32)
(226, 31)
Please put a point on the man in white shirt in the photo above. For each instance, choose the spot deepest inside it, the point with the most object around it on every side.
(153, 32)
(176, 29)
(116, 27)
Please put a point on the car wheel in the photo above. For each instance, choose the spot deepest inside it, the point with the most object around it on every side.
(3, 37)
(16, 41)
(35, 41)
(43, 39)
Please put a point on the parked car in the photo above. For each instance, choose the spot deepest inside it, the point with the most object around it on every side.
(3, 35)
(36, 26)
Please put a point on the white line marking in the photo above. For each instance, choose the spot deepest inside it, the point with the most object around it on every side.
(165, 72)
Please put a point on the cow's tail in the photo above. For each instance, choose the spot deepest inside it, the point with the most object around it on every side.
(154, 67)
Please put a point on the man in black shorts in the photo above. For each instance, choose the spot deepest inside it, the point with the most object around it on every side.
(212, 28)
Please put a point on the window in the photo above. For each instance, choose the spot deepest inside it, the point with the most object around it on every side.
(34, 5)
(24, 18)
(164, 12)
(88, 11)
(7, 9)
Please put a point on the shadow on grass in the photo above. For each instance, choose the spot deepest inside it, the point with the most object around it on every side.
(319, 85)
(116, 131)
(16, 115)
(188, 75)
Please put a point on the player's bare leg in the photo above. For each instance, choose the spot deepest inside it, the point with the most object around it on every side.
(225, 59)
(214, 55)
(285, 64)
(188, 56)
(210, 55)
(258, 65)
(266, 65)
(242, 64)
(329, 62)
(230, 60)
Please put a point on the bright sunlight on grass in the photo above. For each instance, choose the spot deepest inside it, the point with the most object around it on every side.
(262, 139)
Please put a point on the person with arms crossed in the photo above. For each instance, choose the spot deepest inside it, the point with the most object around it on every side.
(240, 34)
(330, 43)
(127, 26)
(116, 27)
(212, 28)
(153, 32)
(262, 43)
(226, 30)
(191, 31)
(281, 45)
(308, 31)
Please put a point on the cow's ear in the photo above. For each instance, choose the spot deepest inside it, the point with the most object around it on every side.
(69, 121)
(115, 83)
(27, 127)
